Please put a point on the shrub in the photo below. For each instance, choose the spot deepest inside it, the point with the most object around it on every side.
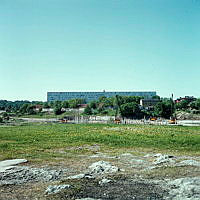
(1, 120)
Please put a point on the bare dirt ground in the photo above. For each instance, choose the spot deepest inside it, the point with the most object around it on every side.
(122, 176)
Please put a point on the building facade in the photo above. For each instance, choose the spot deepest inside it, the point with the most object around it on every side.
(90, 96)
(149, 102)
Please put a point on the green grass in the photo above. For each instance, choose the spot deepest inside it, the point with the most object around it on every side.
(36, 141)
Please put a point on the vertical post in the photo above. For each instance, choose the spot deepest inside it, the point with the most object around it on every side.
(172, 104)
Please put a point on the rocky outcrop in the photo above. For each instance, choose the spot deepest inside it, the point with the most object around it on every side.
(97, 169)
(9, 164)
(185, 189)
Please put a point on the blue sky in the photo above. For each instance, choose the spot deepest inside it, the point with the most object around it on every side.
(92, 45)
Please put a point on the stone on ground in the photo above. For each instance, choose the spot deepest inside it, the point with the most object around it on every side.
(160, 159)
(78, 176)
(102, 167)
(53, 189)
(104, 181)
(9, 164)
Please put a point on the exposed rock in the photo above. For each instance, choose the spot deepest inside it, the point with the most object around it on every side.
(133, 160)
(147, 155)
(150, 168)
(102, 155)
(96, 169)
(137, 161)
(19, 175)
(181, 115)
(9, 164)
(157, 155)
(189, 162)
(78, 176)
(101, 167)
(126, 155)
(163, 159)
(88, 199)
(53, 189)
(104, 181)
(186, 189)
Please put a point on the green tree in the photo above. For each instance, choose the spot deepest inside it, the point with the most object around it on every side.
(88, 110)
(130, 110)
(23, 108)
(197, 104)
(182, 105)
(164, 109)
(73, 103)
(57, 103)
(51, 104)
(46, 105)
(57, 110)
(65, 104)
(156, 97)
(5, 114)
(93, 104)
(30, 110)
(129, 99)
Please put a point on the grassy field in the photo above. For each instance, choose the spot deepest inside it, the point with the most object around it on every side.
(42, 141)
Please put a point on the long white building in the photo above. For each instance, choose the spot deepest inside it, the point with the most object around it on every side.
(90, 96)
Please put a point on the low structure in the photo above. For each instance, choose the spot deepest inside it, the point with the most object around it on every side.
(148, 102)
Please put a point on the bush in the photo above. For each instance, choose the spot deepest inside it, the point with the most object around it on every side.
(57, 110)
(196, 112)
(4, 115)
(130, 110)
(1, 120)
(88, 110)
(164, 109)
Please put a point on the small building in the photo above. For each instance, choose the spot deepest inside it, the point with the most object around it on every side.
(148, 102)
(38, 107)
(49, 110)
(187, 98)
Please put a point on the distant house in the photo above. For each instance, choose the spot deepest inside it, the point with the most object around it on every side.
(47, 110)
(148, 102)
(38, 107)
(82, 107)
(187, 98)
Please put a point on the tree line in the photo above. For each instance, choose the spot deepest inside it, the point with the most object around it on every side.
(124, 106)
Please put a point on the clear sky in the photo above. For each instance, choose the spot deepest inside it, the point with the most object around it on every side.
(92, 45)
